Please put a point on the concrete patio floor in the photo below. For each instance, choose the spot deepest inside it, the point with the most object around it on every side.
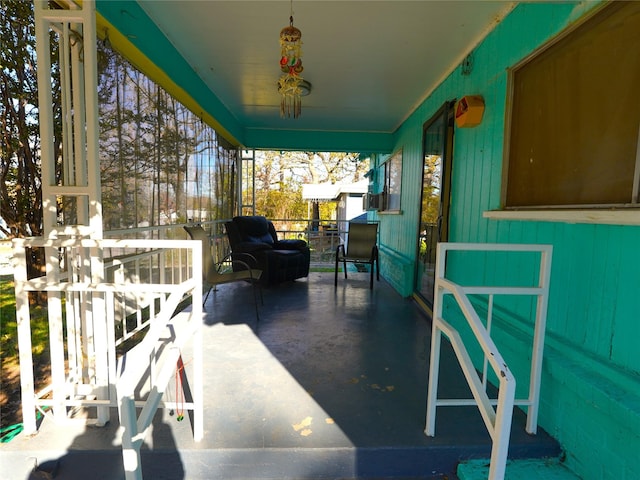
(329, 384)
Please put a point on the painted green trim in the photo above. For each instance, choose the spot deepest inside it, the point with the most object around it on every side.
(401, 275)
(318, 141)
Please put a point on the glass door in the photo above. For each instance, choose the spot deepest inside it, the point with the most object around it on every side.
(436, 192)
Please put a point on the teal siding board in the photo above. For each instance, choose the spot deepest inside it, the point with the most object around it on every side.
(591, 377)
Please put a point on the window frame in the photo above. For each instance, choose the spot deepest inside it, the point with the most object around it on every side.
(392, 188)
(626, 213)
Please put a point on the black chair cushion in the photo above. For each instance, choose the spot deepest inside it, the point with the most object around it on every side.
(290, 244)
(254, 229)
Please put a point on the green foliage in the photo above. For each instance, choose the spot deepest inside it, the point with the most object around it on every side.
(9, 326)
(431, 190)
(284, 203)
(20, 197)
(280, 176)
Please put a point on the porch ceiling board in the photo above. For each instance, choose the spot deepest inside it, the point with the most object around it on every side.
(370, 63)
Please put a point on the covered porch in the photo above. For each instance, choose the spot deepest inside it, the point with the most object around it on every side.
(330, 383)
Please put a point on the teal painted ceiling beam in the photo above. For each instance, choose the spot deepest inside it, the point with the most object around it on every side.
(363, 142)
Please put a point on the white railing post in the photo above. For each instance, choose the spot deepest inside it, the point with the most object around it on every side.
(434, 362)
(56, 335)
(502, 429)
(198, 370)
(538, 340)
(19, 263)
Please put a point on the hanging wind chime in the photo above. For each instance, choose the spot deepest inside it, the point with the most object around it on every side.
(291, 85)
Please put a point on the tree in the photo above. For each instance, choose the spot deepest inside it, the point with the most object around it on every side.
(431, 189)
(285, 172)
(20, 185)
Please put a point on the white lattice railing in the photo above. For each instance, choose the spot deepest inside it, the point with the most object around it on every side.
(100, 294)
(498, 419)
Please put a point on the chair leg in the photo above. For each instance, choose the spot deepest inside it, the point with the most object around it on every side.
(335, 279)
(344, 266)
(371, 275)
(207, 295)
(255, 299)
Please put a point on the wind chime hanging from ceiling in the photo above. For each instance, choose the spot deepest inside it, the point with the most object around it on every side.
(292, 86)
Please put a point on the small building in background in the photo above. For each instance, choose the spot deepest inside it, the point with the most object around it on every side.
(348, 197)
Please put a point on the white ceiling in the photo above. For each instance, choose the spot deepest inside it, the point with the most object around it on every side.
(370, 63)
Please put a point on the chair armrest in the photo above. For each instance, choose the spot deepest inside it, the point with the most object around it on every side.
(248, 258)
(254, 273)
(248, 247)
(229, 259)
(290, 244)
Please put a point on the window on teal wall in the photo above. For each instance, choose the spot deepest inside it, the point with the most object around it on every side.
(574, 123)
(393, 182)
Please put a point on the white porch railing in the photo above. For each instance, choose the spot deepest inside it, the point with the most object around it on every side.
(160, 352)
(323, 236)
(498, 420)
(91, 321)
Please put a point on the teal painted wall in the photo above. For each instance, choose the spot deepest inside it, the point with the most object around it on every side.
(591, 379)
(399, 231)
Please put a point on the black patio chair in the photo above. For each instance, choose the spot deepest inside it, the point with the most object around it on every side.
(361, 248)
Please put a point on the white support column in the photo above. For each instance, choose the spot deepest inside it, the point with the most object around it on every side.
(45, 115)
(92, 124)
(80, 193)
(239, 182)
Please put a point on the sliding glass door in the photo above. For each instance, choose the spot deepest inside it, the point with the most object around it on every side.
(436, 192)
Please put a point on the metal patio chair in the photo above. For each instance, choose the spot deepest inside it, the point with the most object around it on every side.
(361, 248)
(212, 275)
